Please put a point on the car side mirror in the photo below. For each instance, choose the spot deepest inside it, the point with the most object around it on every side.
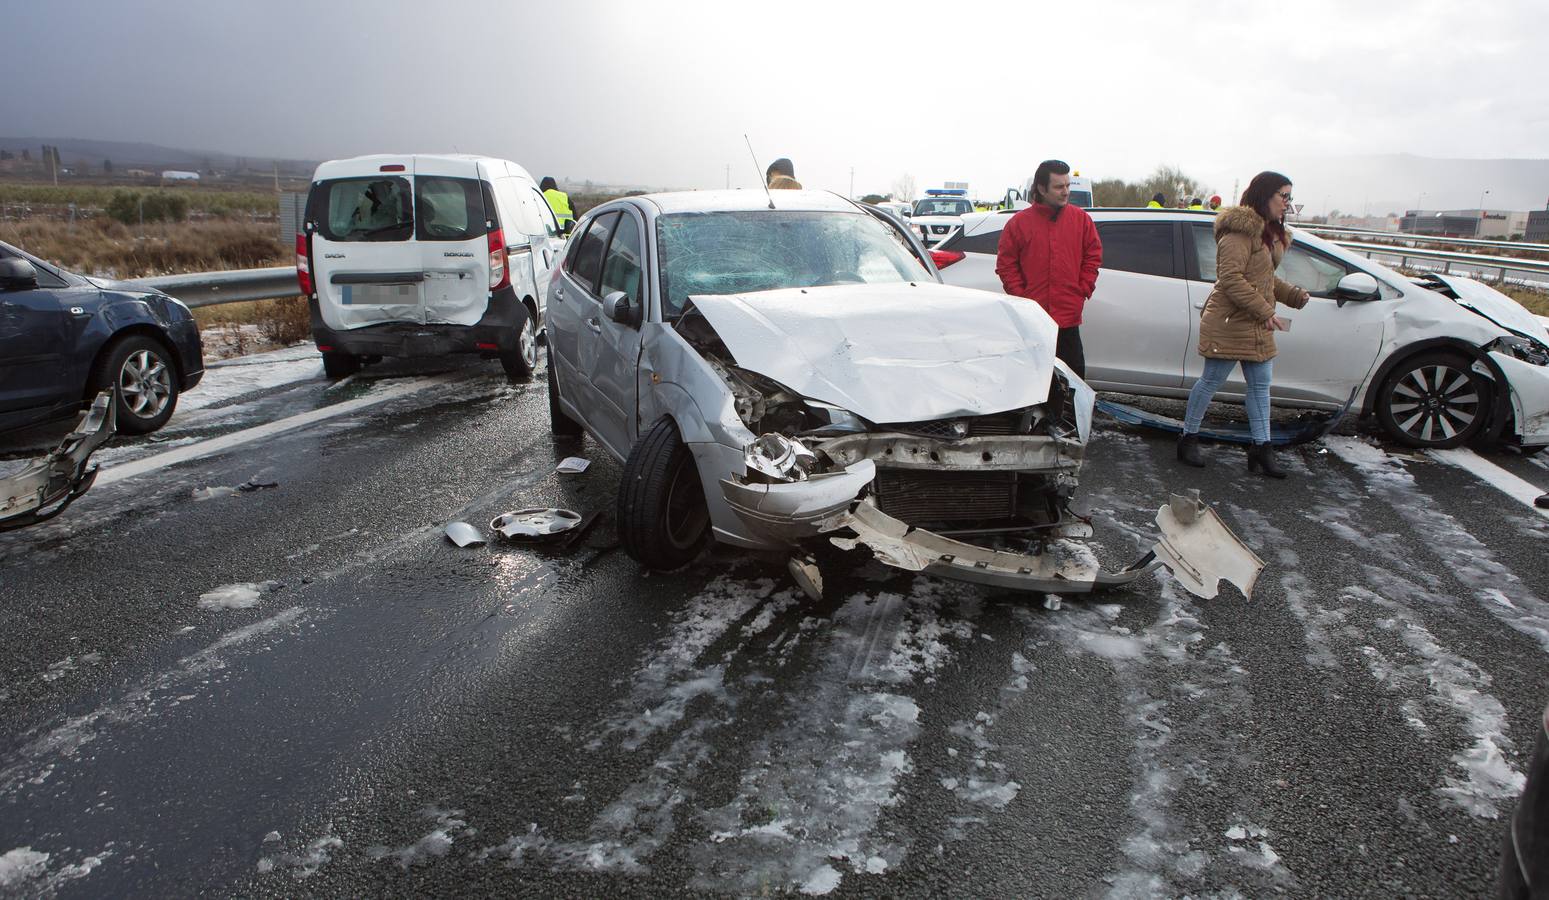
(1356, 286)
(616, 306)
(567, 227)
(17, 275)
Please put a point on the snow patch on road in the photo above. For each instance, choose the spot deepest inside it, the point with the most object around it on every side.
(303, 863)
(229, 379)
(242, 595)
(437, 843)
(26, 871)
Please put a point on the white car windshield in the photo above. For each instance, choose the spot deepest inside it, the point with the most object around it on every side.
(766, 250)
(936, 207)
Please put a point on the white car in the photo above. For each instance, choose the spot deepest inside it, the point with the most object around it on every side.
(938, 214)
(1439, 360)
(425, 255)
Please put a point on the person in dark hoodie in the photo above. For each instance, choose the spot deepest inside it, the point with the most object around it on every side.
(781, 175)
(1239, 322)
(1049, 254)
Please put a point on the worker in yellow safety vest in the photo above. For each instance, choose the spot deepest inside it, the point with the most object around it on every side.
(1156, 201)
(559, 202)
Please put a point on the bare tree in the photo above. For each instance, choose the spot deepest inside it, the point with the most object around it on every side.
(903, 188)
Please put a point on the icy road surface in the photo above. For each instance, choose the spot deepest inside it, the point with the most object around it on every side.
(212, 686)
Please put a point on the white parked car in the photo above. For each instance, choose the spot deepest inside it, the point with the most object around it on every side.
(1439, 359)
(776, 371)
(425, 255)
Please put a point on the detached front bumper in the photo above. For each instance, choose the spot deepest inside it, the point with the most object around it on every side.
(46, 485)
(1529, 388)
(1195, 544)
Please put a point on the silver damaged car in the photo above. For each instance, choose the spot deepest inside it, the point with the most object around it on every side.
(774, 370)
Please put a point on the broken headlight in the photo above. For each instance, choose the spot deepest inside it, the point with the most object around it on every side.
(1529, 351)
(778, 458)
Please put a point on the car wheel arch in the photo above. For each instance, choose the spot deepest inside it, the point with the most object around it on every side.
(119, 336)
(1430, 345)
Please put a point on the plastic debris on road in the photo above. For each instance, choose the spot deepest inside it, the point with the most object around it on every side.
(572, 465)
(464, 535)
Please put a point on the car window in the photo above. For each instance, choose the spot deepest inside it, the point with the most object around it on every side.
(621, 269)
(935, 207)
(545, 212)
(1205, 252)
(764, 250)
(586, 263)
(377, 208)
(448, 209)
(989, 242)
(1143, 247)
(1312, 272)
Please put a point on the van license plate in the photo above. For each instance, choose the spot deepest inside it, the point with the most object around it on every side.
(380, 294)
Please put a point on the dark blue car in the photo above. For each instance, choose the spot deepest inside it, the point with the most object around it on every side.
(65, 337)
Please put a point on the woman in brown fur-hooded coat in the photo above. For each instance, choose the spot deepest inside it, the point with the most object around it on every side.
(1239, 323)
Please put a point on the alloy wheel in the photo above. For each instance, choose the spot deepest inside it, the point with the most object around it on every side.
(1435, 402)
(146, 384)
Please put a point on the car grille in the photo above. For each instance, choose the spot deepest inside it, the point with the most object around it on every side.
(941, 229)
(927, 497)
(978, 426)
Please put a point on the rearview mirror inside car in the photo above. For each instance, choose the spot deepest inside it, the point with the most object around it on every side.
(616, 306)
(17, 275)
(1356, 286)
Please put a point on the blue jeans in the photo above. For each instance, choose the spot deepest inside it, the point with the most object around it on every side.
(1256, 400)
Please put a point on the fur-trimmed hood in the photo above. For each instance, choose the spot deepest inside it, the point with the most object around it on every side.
(1241, 219)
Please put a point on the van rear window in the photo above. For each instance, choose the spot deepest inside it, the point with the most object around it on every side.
(386, 208)
(378, 208)
(448, 209)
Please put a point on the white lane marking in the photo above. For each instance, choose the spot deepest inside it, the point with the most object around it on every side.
(1516, 488)
(247, 436)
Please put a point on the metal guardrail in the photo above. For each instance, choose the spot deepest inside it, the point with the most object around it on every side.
(211, 288)
(1506, 268)
(1415, 240)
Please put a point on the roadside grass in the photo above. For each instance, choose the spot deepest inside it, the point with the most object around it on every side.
(103, 247)
(211, 201)
(1536, 301)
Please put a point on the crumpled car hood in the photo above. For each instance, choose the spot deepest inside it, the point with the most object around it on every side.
(1494, 305)
(892, 352)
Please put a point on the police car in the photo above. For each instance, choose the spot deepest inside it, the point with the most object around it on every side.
(939, 213)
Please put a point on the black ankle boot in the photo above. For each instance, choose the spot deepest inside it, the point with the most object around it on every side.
(1261, 459)
(1188, 451)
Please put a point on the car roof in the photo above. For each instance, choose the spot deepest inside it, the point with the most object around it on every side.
(454, 164)
(748, 200)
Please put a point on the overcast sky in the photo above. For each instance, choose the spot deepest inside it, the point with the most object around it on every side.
(661, 94)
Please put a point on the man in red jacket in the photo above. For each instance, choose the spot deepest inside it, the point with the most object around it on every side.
(1050, 254)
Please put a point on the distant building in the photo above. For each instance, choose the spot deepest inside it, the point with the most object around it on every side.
(1537, 231)
(1441, 223)
(138, 173)
(176, 175)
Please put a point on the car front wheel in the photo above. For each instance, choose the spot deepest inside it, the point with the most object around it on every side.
(1434, 400)
(662, 518)
(141, 369)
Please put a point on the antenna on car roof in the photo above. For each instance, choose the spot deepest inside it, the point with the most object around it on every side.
(758, 169)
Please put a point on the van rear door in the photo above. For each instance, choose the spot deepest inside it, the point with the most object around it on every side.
(451, 229)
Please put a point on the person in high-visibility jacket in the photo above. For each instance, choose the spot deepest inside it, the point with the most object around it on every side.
(559, 202)
(1156, 201)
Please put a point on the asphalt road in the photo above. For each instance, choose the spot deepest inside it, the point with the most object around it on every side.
(396, 716)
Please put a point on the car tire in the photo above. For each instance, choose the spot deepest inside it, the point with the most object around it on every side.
(560, 424)
(338, 364)
(663, 521)
(1434, 401)
(141, 368)
(520, 361)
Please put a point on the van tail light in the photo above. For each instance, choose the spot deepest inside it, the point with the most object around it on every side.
(944, 258)
(303, 266)
(499, 275)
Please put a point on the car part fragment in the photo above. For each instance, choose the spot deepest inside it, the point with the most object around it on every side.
(536, 523)
(1200, 550)
(46, 485)
(464, 535)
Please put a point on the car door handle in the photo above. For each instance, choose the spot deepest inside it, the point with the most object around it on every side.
(594, 325)
(559, 294)
(1200, 305)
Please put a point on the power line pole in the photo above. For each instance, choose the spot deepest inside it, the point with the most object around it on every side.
(728, 176)
(852, 182)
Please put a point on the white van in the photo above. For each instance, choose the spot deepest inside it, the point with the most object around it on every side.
(422, 255)
(1080, 193)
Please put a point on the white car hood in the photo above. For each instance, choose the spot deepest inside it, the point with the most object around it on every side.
(897, 352)
(1495, 306)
